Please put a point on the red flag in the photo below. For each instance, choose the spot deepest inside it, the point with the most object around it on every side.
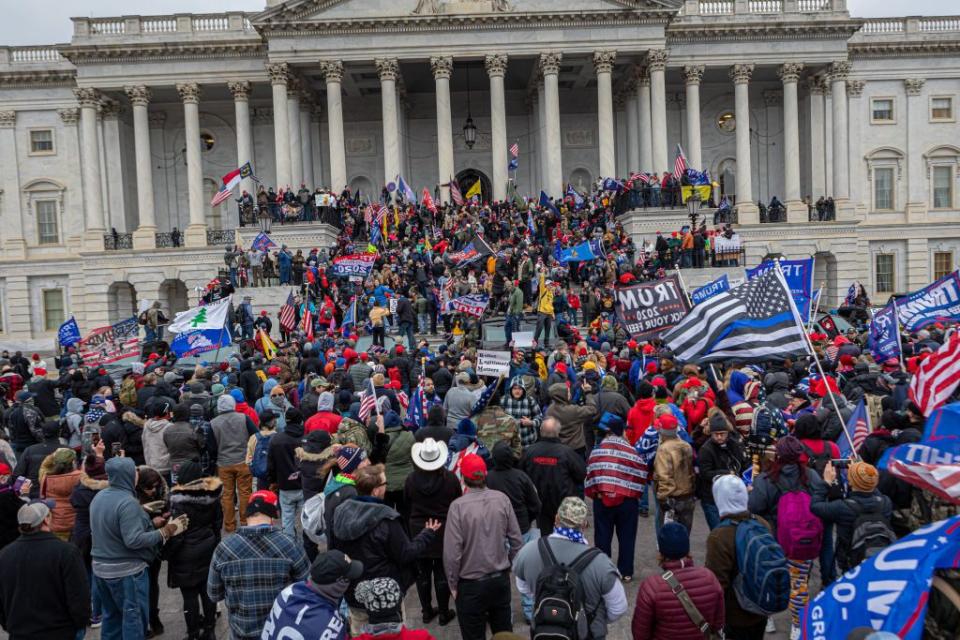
(937, 377)
(428, 201)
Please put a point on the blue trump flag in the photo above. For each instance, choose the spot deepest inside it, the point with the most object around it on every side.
(707, 291)
(405, 190)
(883, 340)
(545, 202)
(192, 343)
(262, 242)
(888, 592)
(69, 333)
(799, 277)
(936, 302)
(573, 193)
(590, 250)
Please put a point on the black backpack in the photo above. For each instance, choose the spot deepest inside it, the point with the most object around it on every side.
(819, 461)
(559, 612)
(871, 532)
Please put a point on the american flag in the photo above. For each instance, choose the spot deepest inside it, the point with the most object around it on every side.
(221, 196)
(455, 194)
(515, 149)
(640, 178)
(288, 315)
(307, 322)
(680, 165)
(368, 402)
(937, 377)
(859, 426)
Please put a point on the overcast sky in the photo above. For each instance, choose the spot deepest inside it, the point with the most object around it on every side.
(47, 21)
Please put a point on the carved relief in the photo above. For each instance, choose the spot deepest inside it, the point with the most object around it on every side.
(69, 116)
(790, 71)
(87, 97)
(278, 72)
(603, 61)
(8, 119)
(578, 138)
(657, 59)
(239, 89)
(388, 68)
(360, 146)
(496, 64)
(432, 7)
(914, 86)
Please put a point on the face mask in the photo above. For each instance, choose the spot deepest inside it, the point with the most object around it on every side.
(277, 400)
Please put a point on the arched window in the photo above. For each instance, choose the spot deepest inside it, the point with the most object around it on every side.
(942, 176)
(884, 173)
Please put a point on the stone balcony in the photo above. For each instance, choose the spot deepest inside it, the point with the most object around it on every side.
(713, 8)
(153, 28)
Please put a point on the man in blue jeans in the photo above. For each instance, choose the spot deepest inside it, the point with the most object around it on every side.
(125, 542)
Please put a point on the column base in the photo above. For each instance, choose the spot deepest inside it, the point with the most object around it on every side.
(916, 212)
(748, 213)
(145, 238)
(93, 240)
(15, 248)
(195, 235)
(797, 212)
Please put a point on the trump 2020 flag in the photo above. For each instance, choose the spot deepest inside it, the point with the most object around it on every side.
(936, 302)
(193, 343)
(262, 242)
(472, 305)
(883, 340)
(69, 333)
(888, 592)
(211, 316)
(707, 291)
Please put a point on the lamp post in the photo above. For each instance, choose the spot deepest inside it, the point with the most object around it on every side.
(469, 129)
(693, 207)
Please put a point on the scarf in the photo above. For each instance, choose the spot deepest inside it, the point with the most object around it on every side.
(573, 535)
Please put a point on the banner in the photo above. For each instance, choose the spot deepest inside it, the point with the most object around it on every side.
(799, 277)
(936, 302)
(357, 264)
(475, 249)
(473, 305)
(493, 363)
(883, 340)
(69, 333)
(707, 291)
(723, 245)
(649, 309)
(262, 242)
(193, 343)
(110, 344)
(212, 316)
(933, 463)
(888, 592)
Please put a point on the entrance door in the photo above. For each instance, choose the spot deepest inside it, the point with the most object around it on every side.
(468, 178)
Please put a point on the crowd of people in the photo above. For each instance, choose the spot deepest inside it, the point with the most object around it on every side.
(309, 488)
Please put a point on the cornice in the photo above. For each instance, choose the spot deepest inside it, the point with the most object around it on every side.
(862, 50)
(154, 52)
(46, 78)
(689, 32)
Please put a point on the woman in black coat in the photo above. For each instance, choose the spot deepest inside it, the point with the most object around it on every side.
(189, 554)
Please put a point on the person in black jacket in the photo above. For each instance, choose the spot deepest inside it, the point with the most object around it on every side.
(442, 378)
(189, 554)
(249, 381)
(25, 423)
(407, 320)
(283, 470)
(44, 593)
(517, 486)
(403, 364)
(555, 469)
(722, 454)
(46, 392)
(92, 481)
(436, 426)
(10, 504)
(28, 464)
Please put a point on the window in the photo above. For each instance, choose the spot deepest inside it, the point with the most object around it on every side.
(41, 141)
(47, 232)
(941, 108)
(885, 273)
(883, 188)
(943, 187)
(881, 110)
(942, 264)
(53, 311)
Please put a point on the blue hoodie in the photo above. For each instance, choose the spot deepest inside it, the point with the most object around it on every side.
(122, 531)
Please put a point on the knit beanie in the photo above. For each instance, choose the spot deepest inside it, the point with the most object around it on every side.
(789, 449)
(718, 423)
(609, 383)
(863, 477)
(94, 467)
(730, 495)
(673, 541)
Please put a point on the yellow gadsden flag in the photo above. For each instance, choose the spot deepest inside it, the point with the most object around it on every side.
(474, 191)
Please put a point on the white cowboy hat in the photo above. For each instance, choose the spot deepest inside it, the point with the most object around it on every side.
(430, 454)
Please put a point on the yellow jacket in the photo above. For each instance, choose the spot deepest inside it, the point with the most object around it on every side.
(544, 297)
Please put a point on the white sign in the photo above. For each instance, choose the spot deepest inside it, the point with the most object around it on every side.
(493, 363)
(523, 340)
(393, 306)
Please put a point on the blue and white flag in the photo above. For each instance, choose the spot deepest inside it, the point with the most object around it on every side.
(933, 464)
(69, 333)
(851, 293)
(472, 305)
(936, 302)
(530, 224)
(193, 343)
(883, 340)
(590, 250)
(547, 204)
(262, 242)
(799, 277)
(405, 190)
(350, 315)
(888, 592)
(611, 184)
(707, 291)
(573, 193)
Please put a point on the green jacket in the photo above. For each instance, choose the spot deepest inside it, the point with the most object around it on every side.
(399, 463)
(515, 302)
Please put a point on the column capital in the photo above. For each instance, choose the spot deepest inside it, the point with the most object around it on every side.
(279, 72)
(8, 119)
(550, 63)
(496, 64)
(816, 85)
(189, 92)
(87, 97)
(914, 86)
(657, 59)
(388, 68)
(332, 70)
(839, 71)
(741, 73)
(157, 119)
(442, 67)
(790, 71)
(139, 95)
(68, 116)
(642, 74)
(240, 89)
(603, 61)
(855, 88)
(693, 73)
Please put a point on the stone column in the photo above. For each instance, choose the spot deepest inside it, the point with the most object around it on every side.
(657, 63)
(89, 100)
(143, 237)
(196, 233)
(14, 244)
(644, 119)
(296, 139)
(241, 111)
(817, 144)
(533, 149)
(855, 109)
(693, 74)
(496, 65)
(841, 175)
(603, 64)
(746, 208)
(279, 73)
(72, 208)
(333, 72)
(550, 67)
(918, 192)
(796, 210)
(306, 141)
(633, 128)
(442, 67)
(542, 135)
(389, 68)
(316, 135)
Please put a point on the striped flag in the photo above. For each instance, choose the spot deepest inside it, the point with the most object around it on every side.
(515, 149)
(937, 377)
(368, 402)
(754, 322)
(858, 428)
(680, 164)
(307, 322)
(288, 314)
(455, 194)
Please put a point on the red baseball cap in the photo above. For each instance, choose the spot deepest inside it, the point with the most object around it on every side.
(667, 422)
(472, 467)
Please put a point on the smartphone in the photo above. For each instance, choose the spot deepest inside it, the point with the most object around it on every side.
(115, 449)
(18, 484)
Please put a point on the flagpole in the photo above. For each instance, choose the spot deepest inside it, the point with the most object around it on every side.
(816, 360)
(816, 309)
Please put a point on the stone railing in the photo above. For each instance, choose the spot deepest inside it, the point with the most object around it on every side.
(32, 55)
(895, 26)
(119, 242)
(760, 7)
(178, 24)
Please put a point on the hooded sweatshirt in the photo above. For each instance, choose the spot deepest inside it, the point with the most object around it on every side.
(639, 418)
(231, 432)
(515, 484)
(74, 420)
(155, 452)
(124, 539)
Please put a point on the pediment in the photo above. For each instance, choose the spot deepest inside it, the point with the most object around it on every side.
(319, 10)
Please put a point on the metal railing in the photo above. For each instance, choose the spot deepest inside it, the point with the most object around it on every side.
(167, 240)
(118, 242)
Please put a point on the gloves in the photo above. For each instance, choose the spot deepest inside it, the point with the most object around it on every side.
(175, 527)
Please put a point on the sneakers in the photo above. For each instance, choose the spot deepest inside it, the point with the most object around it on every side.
(771, 626)
(96, 622)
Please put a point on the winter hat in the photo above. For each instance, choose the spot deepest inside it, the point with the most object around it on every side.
(189, 471)
(467, 427)
(472, 467)
(325, 401)
(226, 404)
(673, 541)
(572, 513)
(196, 411)
(263, 502)
(609, 383)
(719, 423)
(267, 418)
(317, 441)
(217, 390)
(863, 477)
(237, 395)
(94, 467)
(379, 596)
(806, 426)
(333, 565)
(730, 495)
(645, 390)
(789, 449)
(5, 469)
(350, 458)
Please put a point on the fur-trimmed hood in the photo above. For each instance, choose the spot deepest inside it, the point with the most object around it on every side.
(132, 418)
(201, 492)
(303, 455)
(92, 483)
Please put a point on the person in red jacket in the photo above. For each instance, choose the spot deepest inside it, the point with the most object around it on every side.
(640, 415)
(325, 419)
(382, 599)
(659, 615)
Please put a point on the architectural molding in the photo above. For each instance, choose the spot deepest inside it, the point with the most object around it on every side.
(239, 89)
(496, 64)
(139, 95)
(767, 30)
(87, 97)
(550, 62)
(816, 85)
(657, 59)
(741, 73)
(855, 88)
(39, 78)
(279, 72)
(155, 52)
(603, 61)
(387, 68)
(838, 71)
(693, 73)
(69, 116)
(8, 119)
(914, 86)
(332, 70)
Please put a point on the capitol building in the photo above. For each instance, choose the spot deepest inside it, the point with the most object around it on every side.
(111, 141)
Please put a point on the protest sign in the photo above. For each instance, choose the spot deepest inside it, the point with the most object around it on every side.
(649, 309)
(472, 305)
(711, 289)
(799, 277)
(522, 339)
(493, 363)
(354, 265)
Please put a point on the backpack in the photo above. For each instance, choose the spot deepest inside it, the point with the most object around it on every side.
(311, 518)
(258, 464)
(819, 461)
(799, 532)
(762, 584)
(142, 318)
(128, 392)
(689, 607)
(767, 425)
(558, 607)
(871, 533)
